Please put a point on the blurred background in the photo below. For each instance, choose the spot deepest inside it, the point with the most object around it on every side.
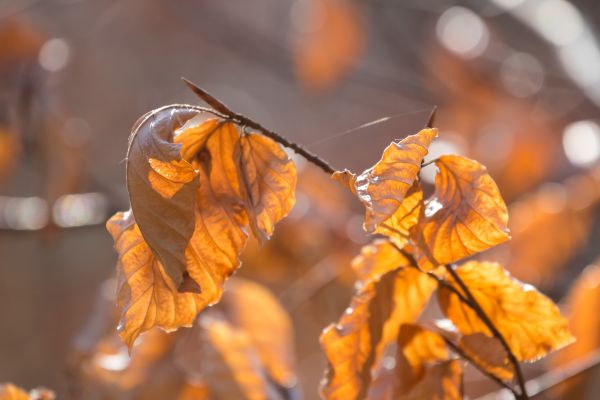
(516, 83)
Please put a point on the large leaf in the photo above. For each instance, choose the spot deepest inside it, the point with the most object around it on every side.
(383, 187)
(465, 215)
(252, 308)
(270, 179)
(530, 322)
(354, 346)
(162, 186)
(230, 363)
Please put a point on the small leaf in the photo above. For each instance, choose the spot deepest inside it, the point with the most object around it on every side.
(355, 345)
(269, 330)
(530, 322)
(376, 259)
(382, 188)
(464, 216)
(488, 353)
(231, 365)
(270, 180)
(346, 178)
(163, 207)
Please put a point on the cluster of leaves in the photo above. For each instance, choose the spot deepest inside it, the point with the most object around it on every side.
(199, 182)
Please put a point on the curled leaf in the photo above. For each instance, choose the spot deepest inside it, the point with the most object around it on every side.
(530, 322)
(382, 188)
(346, 178)
(465, 215)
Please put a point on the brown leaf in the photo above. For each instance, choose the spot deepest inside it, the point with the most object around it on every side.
(382, 188)
(398, 226)
(464, 216)
(231, 365)
(166, 216)
(441, 382)
(417, 349)
(252, 308)
(270, 179)
(488, 353)
(530, 322)
(355, 345)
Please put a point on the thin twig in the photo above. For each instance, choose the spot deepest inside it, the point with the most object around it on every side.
(246, 121)
(490, 325)
(468, 358)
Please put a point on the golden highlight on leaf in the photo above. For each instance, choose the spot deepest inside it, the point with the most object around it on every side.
(270, 179)
(354, 346)
(269, 330)
(382, 188)
(398, 226)
(465, 215)
(233, 367)
(8, 391)
(530, 322)
(488, 353)
(167, 178)
(376, 259)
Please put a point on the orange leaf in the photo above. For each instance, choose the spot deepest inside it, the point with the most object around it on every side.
(464, 216)
(441, 382)
(354, 346)
(231, 364)
(270, 179)
(382, 188)
(8, 391)
(530, 322)
(269, 330)
(376, 259)
(398, 226)
(346, 178)
(488, 353)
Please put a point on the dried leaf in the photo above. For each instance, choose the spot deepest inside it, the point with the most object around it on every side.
(354, 346)
(464, 216)
(270, 330)
(488, 353)
(417, 349)
(530, 322)
(398, 226)
(231, 365)
(166, 216)
(382, 188)
(441, 382)
(270, 179)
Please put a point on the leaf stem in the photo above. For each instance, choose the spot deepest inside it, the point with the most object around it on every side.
(240, 119)
(472, 302)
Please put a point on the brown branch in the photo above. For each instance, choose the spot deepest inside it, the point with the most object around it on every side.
(490, 325)
(246, 121)
(468, 358)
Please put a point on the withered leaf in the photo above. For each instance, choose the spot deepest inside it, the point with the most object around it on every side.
(346, 178)
(231, 364)
(488, 353)
(269, 330)
(382, 188)
(354, 346)
(270, 179)
(441, 382)
(530, 322)
(417, 349)
(165, 217)
(465, 215)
